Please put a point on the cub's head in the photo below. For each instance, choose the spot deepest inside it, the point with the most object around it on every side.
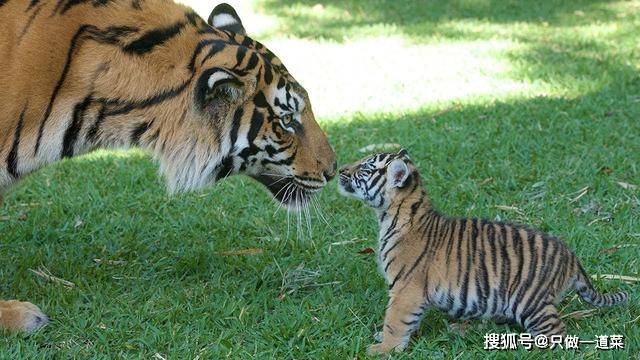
(249, 115)
(378, 178)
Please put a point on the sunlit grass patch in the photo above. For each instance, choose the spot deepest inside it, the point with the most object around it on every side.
(512, 110)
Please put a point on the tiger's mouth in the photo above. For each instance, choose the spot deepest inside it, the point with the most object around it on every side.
(288, 191)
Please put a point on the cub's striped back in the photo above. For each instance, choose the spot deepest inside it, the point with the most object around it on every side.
(469, 268)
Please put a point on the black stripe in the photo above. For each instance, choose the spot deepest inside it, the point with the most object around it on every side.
(531, 273)
(253, 61)
(505, 268)
(388, 264)
(109, 36)
(398, 275)
(153, 38)
(30, 20)
(92, 133)
(460, 236)
(2, 2)
(428, 241)
(225, 168)
(12, 158)
(518, 245)
(386, 253)
(215, 48)
(268, 74)
(138, 131)
(123, 107)
(235, 126)
(71, 134)
(385, 239)
(491, 238)
(450, 239)
(260, 100)
(240, 54)
(256, 124)
(484, 270)
(32, 4)
(201, 45)
(56, 89)
(410, 323)
(464, 291)
(72, 3)
(544, 279)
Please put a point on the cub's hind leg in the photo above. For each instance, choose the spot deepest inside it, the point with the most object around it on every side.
(545, 320)
(402, 317)
(21, 316)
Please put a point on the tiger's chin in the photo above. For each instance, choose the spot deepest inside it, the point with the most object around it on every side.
(287, 191)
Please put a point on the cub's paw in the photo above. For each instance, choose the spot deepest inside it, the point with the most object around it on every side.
(21, 316)
(379, 349)
(378, 336)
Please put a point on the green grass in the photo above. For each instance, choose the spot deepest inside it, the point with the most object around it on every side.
(166, 283)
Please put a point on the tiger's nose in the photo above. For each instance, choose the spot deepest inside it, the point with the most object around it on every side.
(330, 174)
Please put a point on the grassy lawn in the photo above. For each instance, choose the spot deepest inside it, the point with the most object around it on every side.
(512, 111)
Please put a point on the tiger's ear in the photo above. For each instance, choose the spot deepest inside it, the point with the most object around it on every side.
(225, 17)
(397, 173)
(403, 153)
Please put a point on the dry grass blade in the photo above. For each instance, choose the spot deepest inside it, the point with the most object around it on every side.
(627, 186)
(582, 192)
(604, 218)
(623, 278)
(580, 314)
(615, 248)
(299, 278)
(109, 262)
(379, 147)
(509, 208)
(44, 273)
(249, 251)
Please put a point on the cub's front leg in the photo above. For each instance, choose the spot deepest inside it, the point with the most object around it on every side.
(402, 317)
(21, 316)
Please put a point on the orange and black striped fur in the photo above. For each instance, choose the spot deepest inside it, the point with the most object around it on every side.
(203, 98)
(468, 268)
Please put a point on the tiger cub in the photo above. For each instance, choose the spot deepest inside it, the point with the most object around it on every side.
(468, 268)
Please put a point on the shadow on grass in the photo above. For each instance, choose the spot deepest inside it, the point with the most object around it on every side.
(337, 19)
(533, 155)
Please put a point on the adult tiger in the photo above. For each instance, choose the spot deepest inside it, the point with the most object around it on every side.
(205, 99)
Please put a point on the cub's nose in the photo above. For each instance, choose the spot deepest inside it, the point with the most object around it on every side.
(330, 174)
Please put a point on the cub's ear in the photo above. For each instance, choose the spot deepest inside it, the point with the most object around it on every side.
(397, 173)
(217, 85)
(225, 17)
(403, 153)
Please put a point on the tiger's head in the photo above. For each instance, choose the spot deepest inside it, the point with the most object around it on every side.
(378, 179)
(274, 136)
(247, 115)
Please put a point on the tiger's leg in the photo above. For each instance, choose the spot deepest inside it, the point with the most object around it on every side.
(545, 321)
(401, 319)
(21, 316)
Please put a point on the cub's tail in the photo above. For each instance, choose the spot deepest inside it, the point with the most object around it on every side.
(586, 291)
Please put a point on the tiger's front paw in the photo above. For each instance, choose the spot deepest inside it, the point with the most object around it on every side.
(21, 316)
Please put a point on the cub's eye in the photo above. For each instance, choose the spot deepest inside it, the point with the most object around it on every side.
(287, 122)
